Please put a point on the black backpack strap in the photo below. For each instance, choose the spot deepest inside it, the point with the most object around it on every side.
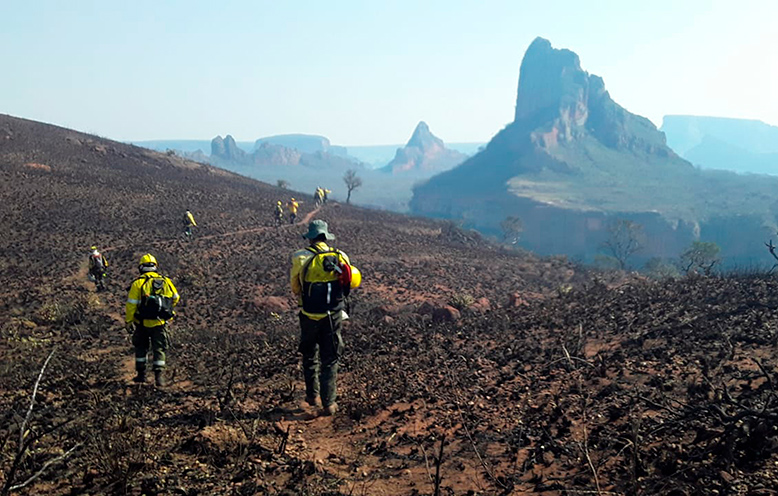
(315, 254)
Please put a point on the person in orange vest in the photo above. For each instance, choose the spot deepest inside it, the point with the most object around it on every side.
(292, 206)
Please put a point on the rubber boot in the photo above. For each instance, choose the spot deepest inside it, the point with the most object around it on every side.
(140, 378)
(159, 379)
(329, 410)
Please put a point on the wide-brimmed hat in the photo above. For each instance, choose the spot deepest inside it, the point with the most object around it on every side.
(316, 228)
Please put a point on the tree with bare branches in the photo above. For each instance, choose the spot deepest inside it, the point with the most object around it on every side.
(352, 182)
(512, 228)
(701, 256)
(625, 238)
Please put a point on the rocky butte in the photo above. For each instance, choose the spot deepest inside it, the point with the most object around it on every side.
(573, 160)
(424, 153)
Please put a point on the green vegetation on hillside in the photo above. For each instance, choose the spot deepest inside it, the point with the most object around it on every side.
(608, 180)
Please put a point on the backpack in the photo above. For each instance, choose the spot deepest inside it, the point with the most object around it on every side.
(97, 262)
(154, 304)
(323, 290)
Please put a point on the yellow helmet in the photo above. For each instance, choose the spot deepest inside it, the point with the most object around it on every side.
(147, 259)
(279, 202)
(356, 277)
(93, 248)
(292, 199)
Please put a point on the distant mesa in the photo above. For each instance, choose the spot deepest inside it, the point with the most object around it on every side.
(269, 152)
(573, 160)
(305, 143)
(424, 153)
(740, 145)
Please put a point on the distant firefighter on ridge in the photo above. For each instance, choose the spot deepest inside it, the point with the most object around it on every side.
(98, 267)
(189, 223)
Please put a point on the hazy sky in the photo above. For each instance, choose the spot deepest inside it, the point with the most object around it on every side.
(365, 72)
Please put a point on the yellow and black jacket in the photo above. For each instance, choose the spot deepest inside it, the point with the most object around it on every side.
(318, 289)
(142, 287)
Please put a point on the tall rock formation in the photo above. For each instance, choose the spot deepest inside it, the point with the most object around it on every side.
(573, 160)
(227, 149)
(424, 153)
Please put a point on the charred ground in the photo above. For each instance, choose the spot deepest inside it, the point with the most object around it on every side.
(547, 381)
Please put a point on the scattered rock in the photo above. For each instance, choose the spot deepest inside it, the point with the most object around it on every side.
(481, 305)
(426, 308)
(445, 314)
(515, 300)
(272, 304)
(34, 165)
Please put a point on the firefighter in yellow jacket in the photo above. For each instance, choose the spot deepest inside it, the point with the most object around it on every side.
(293, 206)
(150, 304)
(189, 223)
(322, 278)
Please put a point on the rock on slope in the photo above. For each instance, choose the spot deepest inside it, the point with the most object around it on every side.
(573, 159)
(424, 153)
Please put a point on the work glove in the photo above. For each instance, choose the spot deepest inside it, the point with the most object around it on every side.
(129, 327)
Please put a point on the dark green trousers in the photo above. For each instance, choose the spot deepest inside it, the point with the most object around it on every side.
(321, 345)
(150, 337)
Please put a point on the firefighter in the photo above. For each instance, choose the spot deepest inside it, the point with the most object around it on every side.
(322, 278)
(149, 309)
(189, 223)
(98, 267)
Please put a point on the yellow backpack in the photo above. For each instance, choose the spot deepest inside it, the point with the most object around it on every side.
(322, 274)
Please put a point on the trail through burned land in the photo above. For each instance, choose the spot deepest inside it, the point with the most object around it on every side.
(527, 374)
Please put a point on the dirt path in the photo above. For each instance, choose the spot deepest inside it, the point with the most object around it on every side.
(304, 220)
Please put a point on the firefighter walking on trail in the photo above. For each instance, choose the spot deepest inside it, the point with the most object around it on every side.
(322, 278)
(98, 265)
(293, 206)
(150, 304)
(279, 213)
(189, 223)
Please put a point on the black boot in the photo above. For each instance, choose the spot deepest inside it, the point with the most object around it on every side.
(159, 379)
(141, 377)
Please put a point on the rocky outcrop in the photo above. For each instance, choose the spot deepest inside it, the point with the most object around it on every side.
(305, 143)
(424, 153)
(227, 149)
(560, 102)
(225, 152)
(268, 154)
(573, 159)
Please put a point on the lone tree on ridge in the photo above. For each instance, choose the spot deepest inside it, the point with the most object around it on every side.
(352, 182)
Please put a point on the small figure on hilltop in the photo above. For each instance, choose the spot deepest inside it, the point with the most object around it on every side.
(150, 304)
(322, 278)
(325, 195)
(279, 213)
(293, 206)
(319, 196)
(189, 223)
(98, 267)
